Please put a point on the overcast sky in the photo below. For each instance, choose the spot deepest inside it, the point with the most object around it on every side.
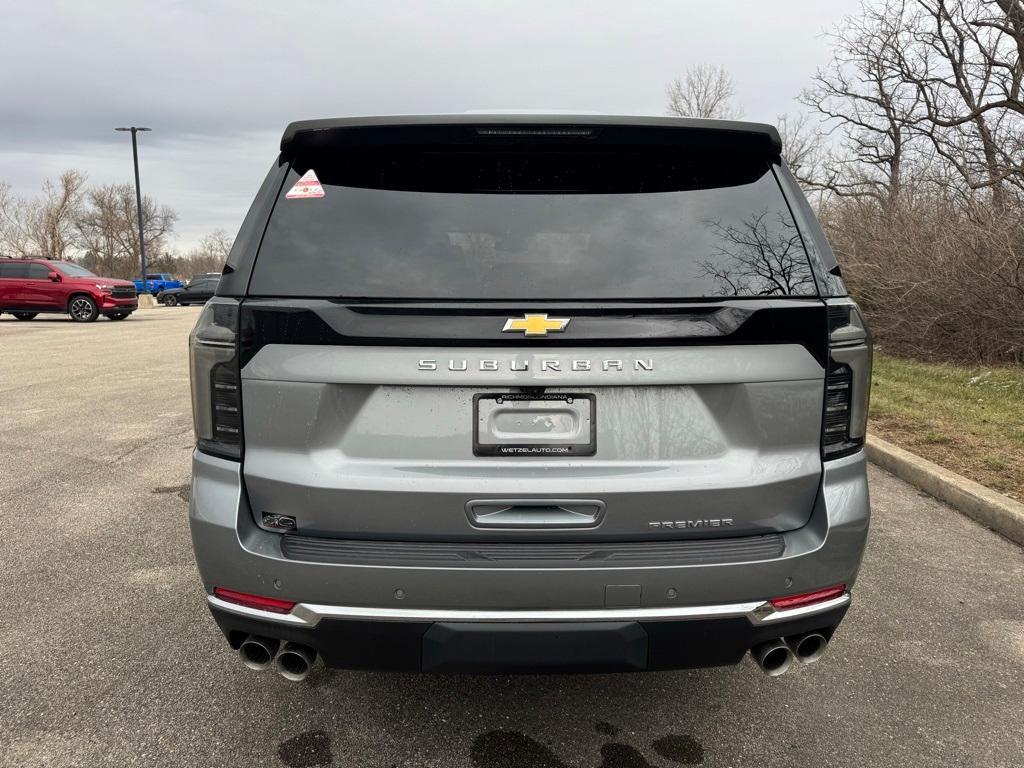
(218, 81)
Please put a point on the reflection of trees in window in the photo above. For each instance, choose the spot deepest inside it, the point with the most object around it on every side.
(762, 256)
(476, 245)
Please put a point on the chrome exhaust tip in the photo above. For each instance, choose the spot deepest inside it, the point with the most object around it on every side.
(809, 647)
(773, 657)
(258, 652)
(294, 661)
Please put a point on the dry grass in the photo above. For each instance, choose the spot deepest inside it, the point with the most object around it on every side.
(970, 420)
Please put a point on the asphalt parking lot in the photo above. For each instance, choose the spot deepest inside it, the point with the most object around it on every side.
(109, 657)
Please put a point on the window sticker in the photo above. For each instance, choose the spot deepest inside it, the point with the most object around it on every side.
(307, 186)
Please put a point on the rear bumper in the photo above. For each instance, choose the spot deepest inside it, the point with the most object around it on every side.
(421, 617)
(572, 645)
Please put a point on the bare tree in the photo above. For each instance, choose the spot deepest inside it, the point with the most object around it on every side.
(61, 205)
(873, 108)
(803, 147)
(208, 256)
(925, 178)
(8, 238)
(109, 233)
(17, 227)
(966, 65)
(704, 91)
(211, 253)
(946, 73)
(43, 227)
(979, 39)
(215, 245)
(761, 256)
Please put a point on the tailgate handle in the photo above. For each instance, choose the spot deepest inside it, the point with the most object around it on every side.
(535, 513)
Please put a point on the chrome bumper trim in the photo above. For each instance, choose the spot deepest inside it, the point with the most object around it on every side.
(255, 613)
(309, 614)
(799, 612)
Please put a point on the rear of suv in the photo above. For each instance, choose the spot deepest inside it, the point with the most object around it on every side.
(29, 287)
(529, 394)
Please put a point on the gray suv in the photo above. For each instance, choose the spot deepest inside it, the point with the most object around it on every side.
(517, 393)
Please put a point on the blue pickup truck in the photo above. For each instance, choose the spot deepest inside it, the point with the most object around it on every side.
(157, 282)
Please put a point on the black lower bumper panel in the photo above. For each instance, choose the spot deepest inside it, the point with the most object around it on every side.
(609, 646)
(502, 648)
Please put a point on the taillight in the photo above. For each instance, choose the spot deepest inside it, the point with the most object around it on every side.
(271, 604)
(808, 598)
(216, 382)
(847, 381)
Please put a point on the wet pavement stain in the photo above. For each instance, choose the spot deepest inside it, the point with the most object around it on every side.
(685, 750)
(307, 750)
(182, 491)
(606, 729)
(615, 755)
(514, 750)
(511, 749)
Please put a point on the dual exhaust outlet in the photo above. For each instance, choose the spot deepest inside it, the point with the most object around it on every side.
(291, 660)
(775, 657)
(294, 660)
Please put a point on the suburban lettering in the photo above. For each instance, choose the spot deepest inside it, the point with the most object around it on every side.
(520, 366)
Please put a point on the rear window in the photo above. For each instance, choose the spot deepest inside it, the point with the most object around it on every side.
(38, 271)
(13, 269)
(454, 225)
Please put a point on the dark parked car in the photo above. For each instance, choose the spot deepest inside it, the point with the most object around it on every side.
(196, 292)
(31, 286)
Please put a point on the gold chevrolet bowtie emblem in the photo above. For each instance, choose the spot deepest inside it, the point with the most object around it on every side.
(535, 325)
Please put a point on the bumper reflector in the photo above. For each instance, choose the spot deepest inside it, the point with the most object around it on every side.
(808, 598)
(254, 601)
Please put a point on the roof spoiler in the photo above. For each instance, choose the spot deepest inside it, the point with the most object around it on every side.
(475, 129)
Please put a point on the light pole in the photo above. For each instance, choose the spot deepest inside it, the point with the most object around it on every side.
(138, 201)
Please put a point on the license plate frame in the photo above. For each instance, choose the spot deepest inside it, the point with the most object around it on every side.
(523, 448)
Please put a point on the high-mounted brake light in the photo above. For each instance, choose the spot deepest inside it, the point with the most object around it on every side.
(559, 132)
(807, 598)
(271, 604)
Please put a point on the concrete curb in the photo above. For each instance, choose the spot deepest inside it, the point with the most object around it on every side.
(994, 510)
